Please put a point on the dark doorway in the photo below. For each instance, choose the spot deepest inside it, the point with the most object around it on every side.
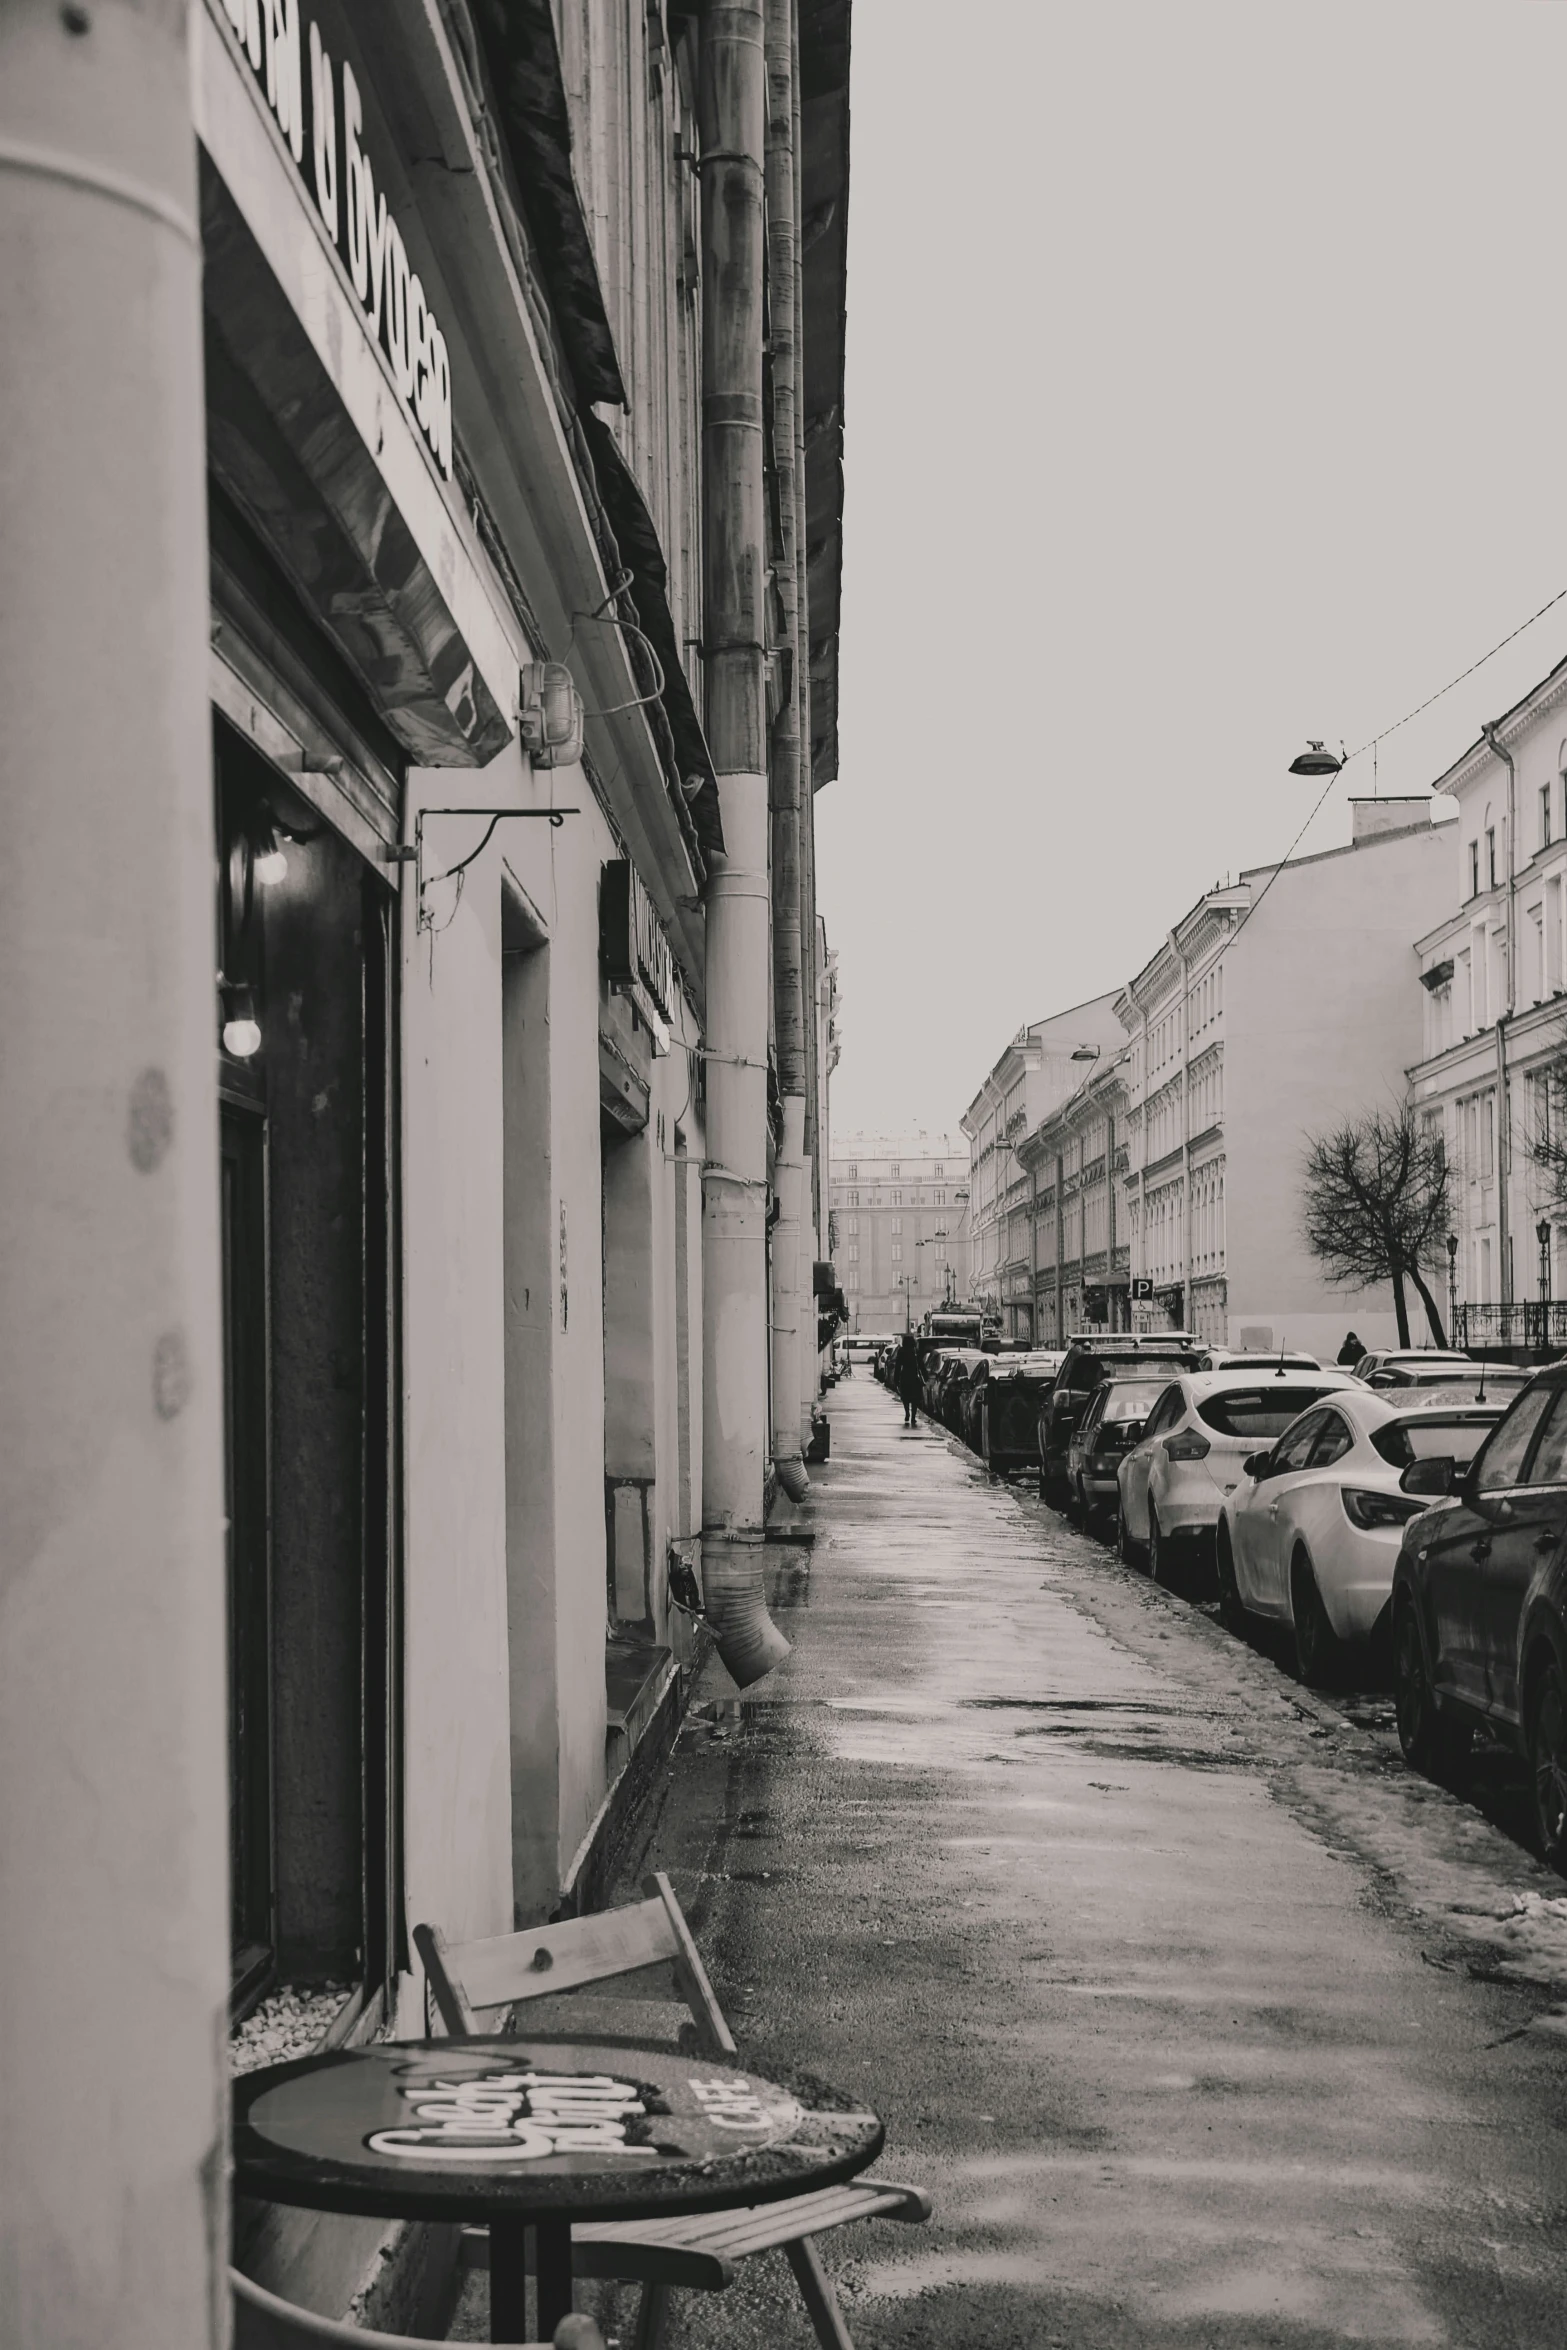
(307, 1059)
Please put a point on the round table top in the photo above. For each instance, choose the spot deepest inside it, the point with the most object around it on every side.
(538, 2129)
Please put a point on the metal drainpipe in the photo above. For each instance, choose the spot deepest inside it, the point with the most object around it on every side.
(1503, 1111)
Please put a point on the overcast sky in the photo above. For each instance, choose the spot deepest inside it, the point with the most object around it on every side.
(1206, 390)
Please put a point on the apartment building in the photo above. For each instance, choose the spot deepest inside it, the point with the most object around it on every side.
(1279, 1006)
(1039, 1068)
(900, 1225)
(1076, 1160)
(1495, 1022)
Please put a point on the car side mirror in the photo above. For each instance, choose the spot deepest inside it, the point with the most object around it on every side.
(1432, 1477)
(1257, 1464)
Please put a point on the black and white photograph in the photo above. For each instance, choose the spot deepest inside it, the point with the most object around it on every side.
(783, 1175)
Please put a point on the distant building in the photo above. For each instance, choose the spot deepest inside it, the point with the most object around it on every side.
(1274, 1010)
(1494, 970)
(1043, 1064)
(900, 1221)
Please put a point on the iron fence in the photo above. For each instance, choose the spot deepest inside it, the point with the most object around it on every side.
(1529, 1322)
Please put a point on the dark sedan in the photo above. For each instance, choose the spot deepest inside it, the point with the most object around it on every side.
(1480, 1604)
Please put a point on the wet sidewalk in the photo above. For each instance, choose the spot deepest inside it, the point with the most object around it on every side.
(1162, 1987)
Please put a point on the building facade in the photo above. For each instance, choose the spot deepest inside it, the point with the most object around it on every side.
(417, 1012)
(1495, 1021)
(1274, 1010)
(1076, 1161)
(1043, 1064)
(900, 1226)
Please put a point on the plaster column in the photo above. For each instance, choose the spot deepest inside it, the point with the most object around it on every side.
(114, 1960)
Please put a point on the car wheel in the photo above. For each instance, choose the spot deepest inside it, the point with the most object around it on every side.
(1548, 1764)
(1158, 1557)
(1432, 1743)
(1232, 1608)
(1316, 1642)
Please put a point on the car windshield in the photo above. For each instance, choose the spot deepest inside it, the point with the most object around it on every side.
(1256, 1413)
(1431, 1436)
(1130, 1399)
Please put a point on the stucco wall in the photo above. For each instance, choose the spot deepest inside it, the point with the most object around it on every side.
(1322, 1019)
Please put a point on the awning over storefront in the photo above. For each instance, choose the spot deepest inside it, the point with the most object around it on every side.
(307, 436)
(523, 62)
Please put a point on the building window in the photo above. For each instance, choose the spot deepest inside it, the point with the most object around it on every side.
(895, 1169)
(1545, 815)
(853, 1224)
(941, 1252)
(1490, 853)
(854, 1174)
(897, 1252)
(852, 1281)
(853, 1252)
(897, 1199)
(940, 1198)
(854, 1199)
(897, 1224)
(938, 1169)
(1474, 868)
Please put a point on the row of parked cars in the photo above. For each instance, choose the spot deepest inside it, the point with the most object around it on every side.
(1417, 1498)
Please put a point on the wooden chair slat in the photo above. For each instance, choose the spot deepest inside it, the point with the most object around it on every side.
(763, 2227)
(504, 1968)
(624, 2254)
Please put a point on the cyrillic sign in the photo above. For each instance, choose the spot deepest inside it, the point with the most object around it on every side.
(633, 949)
(305, 106)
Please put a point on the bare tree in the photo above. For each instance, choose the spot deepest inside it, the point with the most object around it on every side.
(1376, 1206)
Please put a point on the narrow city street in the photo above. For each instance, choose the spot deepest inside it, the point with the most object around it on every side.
(1201, 2019)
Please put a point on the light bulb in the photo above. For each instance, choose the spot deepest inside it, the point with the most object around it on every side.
(270, 864)
(241, 1028)
(241, 1038)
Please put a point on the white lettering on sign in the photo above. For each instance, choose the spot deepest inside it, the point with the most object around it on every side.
(513, 2117)
(305, 107)
(731, 2104)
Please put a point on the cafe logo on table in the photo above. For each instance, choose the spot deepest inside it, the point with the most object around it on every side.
(516, 2117)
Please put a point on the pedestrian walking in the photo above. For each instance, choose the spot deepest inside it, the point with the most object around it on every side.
(907, 1377)
(1351, 1351)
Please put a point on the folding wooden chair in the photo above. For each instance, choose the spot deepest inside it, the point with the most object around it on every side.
(701, 2249)
(263, 2322)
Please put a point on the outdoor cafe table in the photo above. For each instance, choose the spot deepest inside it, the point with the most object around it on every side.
(538, 2132)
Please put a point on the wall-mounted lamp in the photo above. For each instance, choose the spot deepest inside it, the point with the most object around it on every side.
(549, 714)
(241, 1028)
(270, 864)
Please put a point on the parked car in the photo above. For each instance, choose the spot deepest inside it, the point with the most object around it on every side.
(1480, 1603)
(1257, 1359)
(1310, 1536)
(1008, 1422)
(1501, 1379)
(946, 1369)
(1172, 1483)
(1393, 1365)
(1110, 1425)
(1088, 1362)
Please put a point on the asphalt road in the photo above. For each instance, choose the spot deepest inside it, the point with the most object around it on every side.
(1201, 2019)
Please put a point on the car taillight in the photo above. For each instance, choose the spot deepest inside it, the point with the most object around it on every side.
(1187, 1446)
(1368, 1510)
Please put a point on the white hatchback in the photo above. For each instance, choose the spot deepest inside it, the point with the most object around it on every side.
(1190, 1454)
(1311, 1534)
